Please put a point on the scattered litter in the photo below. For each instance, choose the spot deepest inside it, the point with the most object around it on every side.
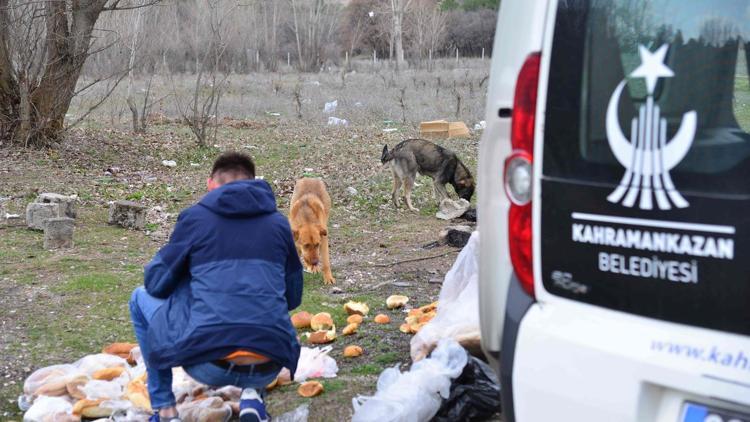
(249, 147)
(475, 394)
(316, 83)
(415, 395)
(482, 125)
(194, 165)
(443, 129)
(315, 363)
(169, 163)
(450, 209)
(309, 169)
(273, 113)
(335, 121)
(351, 191)
(260, 178)
(390, 129)
(299, 414)
(418, 317)
(330, 108)
(457, 314)
(456, 236)
(357, 104)
(401, 284)
(470, 215)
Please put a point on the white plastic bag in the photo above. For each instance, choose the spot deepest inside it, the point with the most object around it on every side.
(315, 363)
(46, 377)
(98, 389)
(299, 414)
(335, 121)
(92, 363)
(458, 307)
(415, 395)
(331, 107)
(45, 409)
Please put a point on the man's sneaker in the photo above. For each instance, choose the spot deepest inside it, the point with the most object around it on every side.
(252, 408)
(156, 418)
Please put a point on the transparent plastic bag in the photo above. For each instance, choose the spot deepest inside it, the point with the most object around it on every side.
(458, 306)
(49, 409)
(415, 395)
(92, 363)
(315, 363)
(299, 414)
(108, 390)
(43, 380)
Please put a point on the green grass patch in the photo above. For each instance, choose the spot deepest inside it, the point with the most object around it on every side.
(387, 358)
(333, 385)
(367, 369)
(97, 282)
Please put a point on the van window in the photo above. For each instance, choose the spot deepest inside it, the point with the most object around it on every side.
(645, 185)
(697, 62)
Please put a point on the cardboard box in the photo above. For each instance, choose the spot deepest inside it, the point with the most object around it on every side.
(442, 129)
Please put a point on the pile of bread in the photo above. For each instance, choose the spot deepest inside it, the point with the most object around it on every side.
(112, 386)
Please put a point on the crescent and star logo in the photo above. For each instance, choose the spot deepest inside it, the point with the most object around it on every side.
(648, 156)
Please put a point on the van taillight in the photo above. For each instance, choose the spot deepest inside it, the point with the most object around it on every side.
(518, 171)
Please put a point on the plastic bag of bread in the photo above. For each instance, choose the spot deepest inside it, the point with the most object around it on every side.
(98, 389)
(50, 381)
(315, 363)
(458, 307)
(50, 409)
(92, 363)
(212, 409)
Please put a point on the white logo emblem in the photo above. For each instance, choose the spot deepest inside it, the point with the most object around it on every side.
(648, 156)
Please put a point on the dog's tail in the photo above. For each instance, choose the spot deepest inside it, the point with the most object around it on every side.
(386, 156)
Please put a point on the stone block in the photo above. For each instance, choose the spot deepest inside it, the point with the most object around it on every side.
(456, 236)
(37, 214)
(58, 233)
(67, 203)
(128, 214)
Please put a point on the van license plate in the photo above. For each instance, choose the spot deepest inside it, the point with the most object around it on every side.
(694, 412)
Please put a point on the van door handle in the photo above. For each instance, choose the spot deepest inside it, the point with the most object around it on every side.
(505, 112)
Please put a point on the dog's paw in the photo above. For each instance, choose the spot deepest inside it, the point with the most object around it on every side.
(328, 279)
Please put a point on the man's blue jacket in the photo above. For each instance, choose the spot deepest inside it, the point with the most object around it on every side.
(230, 274)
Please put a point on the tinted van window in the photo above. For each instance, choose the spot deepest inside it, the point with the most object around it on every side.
(676, 59)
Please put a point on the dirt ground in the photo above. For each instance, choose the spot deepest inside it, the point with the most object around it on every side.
(56, 307)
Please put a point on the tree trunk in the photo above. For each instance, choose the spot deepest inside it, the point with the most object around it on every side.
(32, 112)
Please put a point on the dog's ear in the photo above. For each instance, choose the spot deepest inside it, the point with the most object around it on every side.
(323, 231)
(295, 233)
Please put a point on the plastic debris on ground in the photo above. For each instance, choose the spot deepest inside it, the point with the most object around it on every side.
(113, 385)
(450, 209)
(330, 108)
(482, 125)
(169, 163)
(315, 363)
(335, 121)
(390, 129)
(415, 395)
(458, 306)
(299, 414)
(474, 396)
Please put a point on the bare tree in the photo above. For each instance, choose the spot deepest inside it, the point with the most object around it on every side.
(427, 25)
(137, 19)
(43, 47)
(398, 10)
(313, 24)
(209, 82)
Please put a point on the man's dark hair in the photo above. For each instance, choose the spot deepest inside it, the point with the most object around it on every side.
(234, 164)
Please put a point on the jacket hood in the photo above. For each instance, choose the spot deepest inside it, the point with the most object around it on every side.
(243, 198)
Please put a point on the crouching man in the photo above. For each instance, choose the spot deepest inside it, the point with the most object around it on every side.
(216, 298)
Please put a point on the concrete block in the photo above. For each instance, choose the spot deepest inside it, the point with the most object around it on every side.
(58, 233)
(37, 213)
(67, 203)
(128, 214)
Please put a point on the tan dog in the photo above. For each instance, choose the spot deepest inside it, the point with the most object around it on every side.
(308, 216)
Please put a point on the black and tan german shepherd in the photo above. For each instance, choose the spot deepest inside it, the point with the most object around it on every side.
(414, 156)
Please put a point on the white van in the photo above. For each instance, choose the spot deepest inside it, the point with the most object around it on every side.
(614, 206)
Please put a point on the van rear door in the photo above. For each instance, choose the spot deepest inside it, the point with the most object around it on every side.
(645, 187)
